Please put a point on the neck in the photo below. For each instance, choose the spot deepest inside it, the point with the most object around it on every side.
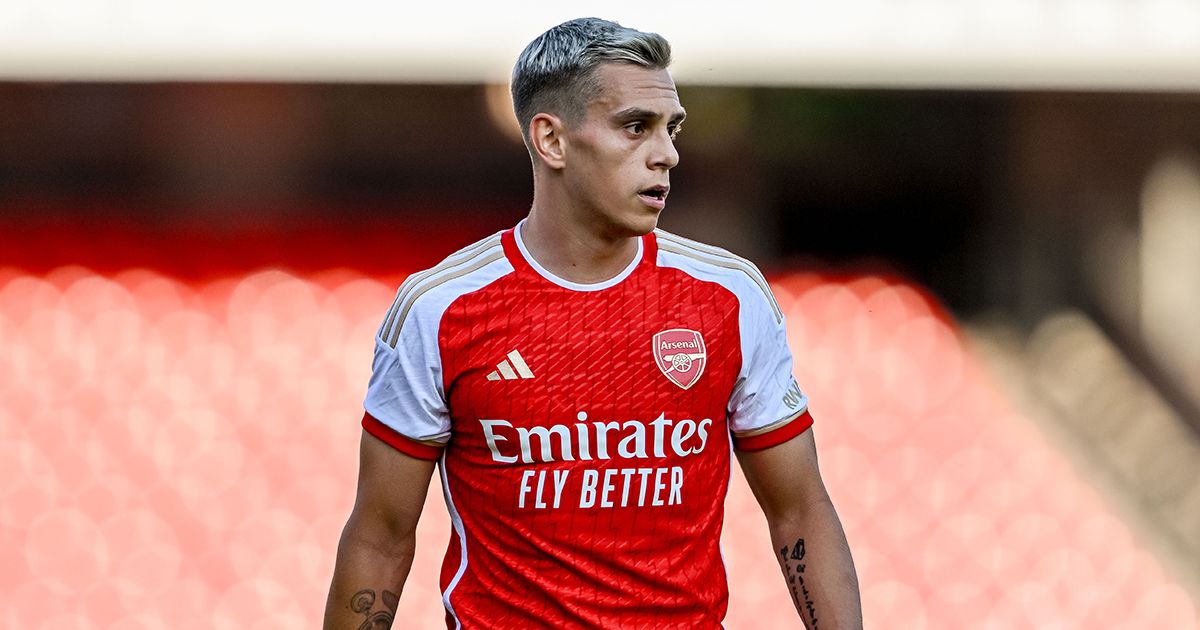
(573, 249)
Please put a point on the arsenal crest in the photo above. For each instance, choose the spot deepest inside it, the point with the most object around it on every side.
(680, 354)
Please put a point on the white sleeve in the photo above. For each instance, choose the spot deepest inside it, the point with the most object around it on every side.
(766, 397)
(405, 392)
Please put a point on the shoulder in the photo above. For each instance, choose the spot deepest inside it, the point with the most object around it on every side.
(426, 294)
(715, 264)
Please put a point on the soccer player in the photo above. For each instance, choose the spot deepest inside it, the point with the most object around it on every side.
(579, 381)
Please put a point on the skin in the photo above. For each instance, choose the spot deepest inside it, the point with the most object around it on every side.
(821, 578)
(379, 541)
(586, 218)
(587, 213)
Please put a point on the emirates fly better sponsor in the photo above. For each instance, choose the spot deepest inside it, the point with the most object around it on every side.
(633, 440)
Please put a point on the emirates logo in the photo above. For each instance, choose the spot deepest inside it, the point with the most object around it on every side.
(680, 354)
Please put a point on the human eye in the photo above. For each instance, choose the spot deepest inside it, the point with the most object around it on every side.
(636, 127)
(675, 130)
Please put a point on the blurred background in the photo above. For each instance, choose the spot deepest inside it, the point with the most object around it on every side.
(982, 219)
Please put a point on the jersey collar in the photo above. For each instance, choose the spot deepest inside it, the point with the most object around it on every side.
(520, 258)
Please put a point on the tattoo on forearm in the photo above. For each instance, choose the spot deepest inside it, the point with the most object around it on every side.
(794, 565)
(363, 603)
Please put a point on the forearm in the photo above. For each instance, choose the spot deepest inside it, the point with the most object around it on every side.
(368, 578)
(812, 551)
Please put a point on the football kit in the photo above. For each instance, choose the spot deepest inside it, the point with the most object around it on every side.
(583, 431)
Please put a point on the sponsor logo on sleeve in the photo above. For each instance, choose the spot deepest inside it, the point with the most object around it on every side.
(793, 397)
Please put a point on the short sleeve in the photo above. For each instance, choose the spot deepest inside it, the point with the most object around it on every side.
(405, 403)
(767, 406)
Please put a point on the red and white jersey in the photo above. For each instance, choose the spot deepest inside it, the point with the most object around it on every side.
(584, 431)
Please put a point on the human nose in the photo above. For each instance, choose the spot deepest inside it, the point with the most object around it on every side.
(663, 154)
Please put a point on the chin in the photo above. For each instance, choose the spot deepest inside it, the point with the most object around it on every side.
(628, 223)
(641, 226)
(646, 220)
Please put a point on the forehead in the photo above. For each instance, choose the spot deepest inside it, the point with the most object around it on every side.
(624, 85)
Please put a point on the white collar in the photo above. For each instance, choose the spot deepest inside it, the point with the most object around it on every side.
(575, 286)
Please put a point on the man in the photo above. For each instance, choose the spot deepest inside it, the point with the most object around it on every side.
(579, 380)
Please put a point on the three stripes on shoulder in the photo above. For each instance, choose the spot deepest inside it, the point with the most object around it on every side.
(461, 263)
(717, 257)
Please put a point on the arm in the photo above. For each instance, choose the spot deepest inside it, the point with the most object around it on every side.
(376, 550)
(810, 545)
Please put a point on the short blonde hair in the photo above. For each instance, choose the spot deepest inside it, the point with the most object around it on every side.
(556, 71)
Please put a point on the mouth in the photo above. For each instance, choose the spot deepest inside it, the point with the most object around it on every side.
(655, 196)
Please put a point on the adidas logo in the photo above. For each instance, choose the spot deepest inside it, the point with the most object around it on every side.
(504, 369)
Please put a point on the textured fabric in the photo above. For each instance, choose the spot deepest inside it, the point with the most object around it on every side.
(766, 395)
(589, 437)
(405, 392)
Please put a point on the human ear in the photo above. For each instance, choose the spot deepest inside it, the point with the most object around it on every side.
(546, 138)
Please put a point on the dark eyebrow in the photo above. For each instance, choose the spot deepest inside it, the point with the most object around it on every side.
(637, 113)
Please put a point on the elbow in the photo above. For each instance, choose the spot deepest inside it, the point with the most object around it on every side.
(382, 537)
(798, 515)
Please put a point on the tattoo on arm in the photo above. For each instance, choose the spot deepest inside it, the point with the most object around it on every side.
(363, 603)
(794, 565)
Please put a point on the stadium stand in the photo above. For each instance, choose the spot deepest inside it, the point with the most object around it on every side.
(178, 438)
